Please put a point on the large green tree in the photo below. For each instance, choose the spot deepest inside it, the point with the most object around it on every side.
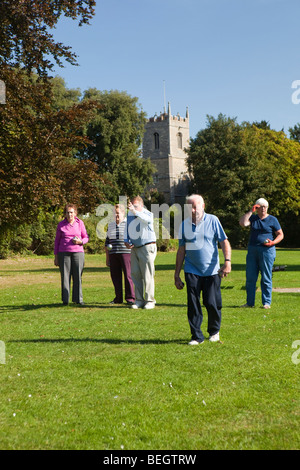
(37, 140)
(233, 164)
(116, 133)
(37, 166)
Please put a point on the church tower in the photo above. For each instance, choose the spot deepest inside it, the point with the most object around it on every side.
(165, 139)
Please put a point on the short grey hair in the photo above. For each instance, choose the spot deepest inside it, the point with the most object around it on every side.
(262, 202)
(194, 196)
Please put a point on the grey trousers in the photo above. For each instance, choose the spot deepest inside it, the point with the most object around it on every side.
(71, 265)
(142, 272)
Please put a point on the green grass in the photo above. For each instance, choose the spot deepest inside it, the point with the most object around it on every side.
(106, 377)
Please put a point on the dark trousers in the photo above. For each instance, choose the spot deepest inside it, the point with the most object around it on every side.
(120, 264)
(71, 266)
(211, 293)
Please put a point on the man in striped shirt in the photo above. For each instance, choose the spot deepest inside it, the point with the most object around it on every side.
(118, 258)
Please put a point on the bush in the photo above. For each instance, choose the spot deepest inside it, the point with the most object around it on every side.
(43, 231)
(95, 244)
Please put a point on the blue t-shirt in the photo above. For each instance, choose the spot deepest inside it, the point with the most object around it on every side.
(261, 229)
(201, 245)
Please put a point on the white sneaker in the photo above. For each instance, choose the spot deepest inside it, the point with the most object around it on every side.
(193, 342)
(214, 338)
(137, 305)
(149, 305)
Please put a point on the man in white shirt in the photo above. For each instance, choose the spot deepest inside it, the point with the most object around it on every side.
(141, 238)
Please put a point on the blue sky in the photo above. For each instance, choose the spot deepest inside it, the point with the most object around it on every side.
(236, 57)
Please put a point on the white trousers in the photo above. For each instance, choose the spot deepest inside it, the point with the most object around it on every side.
(142, 272)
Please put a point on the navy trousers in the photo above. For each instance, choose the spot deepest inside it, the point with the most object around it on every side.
(212, 300)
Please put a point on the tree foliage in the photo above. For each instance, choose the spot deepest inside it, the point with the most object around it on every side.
(25, 37)
(38, 171)
(37, 167)
(116, 133)
(234, 164)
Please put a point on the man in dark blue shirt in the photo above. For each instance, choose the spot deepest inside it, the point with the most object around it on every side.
(265, 234)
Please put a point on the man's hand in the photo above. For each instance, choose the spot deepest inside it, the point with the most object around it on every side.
(178, 283)
(225, 269)
(128, 245)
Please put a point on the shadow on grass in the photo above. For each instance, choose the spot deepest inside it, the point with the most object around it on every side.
(105, 269)
(102, 340)
(28, 307)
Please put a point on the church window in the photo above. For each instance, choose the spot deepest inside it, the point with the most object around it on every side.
(179, 140)
(156, 140)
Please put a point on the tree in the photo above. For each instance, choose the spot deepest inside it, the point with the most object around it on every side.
(295, 132)
(37, 140)
(116, 132)
(25, 38)
(234, 164)
(63, 97)
(36, 153)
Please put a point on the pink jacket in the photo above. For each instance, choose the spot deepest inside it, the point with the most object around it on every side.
(65, 233)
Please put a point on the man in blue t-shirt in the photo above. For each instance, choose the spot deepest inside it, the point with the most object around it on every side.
(199, 236)
(264, 235)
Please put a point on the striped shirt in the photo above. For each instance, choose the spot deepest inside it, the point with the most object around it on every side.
(115, 237)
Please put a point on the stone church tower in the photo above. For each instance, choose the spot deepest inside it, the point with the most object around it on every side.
(165, 139)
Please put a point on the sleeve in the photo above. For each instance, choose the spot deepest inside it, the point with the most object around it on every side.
(220, 233)
(181, 238)
(126, 235)
(57, 240)
(84, 235)
(145, 216)
(276, 225)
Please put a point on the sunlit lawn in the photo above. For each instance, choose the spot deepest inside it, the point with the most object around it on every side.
(105, 377)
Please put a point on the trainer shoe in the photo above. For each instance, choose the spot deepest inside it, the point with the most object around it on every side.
(137, 304)
(149, 305)
(214, 338)
(246, 306)
(193, 342)
(266, 306)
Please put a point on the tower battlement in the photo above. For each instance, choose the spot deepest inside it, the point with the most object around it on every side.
(165, 140)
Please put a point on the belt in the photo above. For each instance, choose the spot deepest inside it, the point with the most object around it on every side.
(150, 243)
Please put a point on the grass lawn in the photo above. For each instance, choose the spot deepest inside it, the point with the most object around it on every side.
(112, 378)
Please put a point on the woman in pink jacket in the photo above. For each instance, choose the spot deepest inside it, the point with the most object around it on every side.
(70, 237)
